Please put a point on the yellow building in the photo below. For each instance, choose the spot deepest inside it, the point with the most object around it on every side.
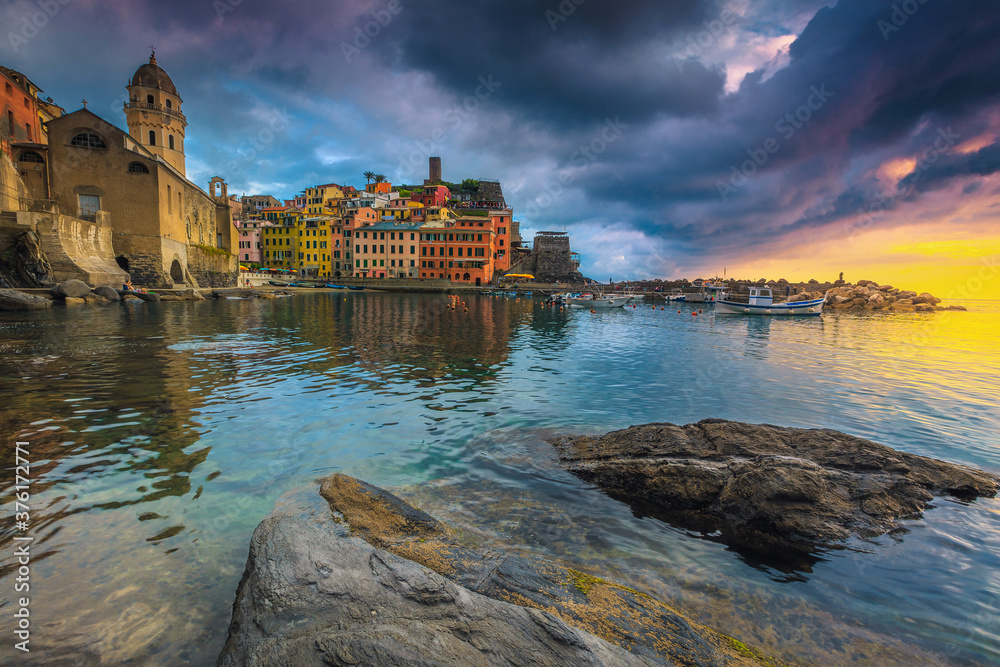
(318, 197)
(299, 243)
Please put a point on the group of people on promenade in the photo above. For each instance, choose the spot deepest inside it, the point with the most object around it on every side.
(488, 205)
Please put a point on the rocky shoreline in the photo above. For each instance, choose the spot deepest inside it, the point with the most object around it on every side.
(369, 579)
(77, 292)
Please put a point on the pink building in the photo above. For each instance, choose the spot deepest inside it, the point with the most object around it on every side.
(432, 195)
(249, 236)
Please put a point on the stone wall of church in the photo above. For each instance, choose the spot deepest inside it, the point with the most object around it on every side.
(212, 267)
(74, 248)
(12, 188)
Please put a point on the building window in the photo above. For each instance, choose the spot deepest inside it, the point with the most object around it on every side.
(137, 168)
(170, 141)
(87, 140)
(169, 104)
(152, 137)
(89, 206)
(31, 156)
(150, 100)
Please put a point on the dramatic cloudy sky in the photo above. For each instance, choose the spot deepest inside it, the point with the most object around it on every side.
(687, 137)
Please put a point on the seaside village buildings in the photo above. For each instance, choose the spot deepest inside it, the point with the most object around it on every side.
(104, 204)
(410, 232)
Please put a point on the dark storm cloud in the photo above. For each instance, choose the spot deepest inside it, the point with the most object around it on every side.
(894, 80)
(559, 67)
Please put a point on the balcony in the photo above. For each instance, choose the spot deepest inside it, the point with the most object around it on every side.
(157, 108)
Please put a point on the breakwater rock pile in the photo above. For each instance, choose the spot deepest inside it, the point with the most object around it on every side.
(767, 488)
(378, 582)
(869, 295)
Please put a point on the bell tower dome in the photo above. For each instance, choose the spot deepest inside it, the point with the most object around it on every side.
(153, 113)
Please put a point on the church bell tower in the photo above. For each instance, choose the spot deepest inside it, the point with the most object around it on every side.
(153, 114)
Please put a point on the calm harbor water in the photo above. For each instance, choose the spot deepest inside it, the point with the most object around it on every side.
(161, 434)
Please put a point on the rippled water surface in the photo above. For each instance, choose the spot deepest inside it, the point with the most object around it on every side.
(161, 434)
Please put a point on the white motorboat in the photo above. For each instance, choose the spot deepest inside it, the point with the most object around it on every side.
(761, 302)
(708, 292)
(591, 300)
(676, 294)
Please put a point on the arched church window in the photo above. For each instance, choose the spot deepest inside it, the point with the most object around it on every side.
(170, 104)
(31, 156)
(87, 140)
(137, 168)
(150, 99)
(152, 138)
(170, 141)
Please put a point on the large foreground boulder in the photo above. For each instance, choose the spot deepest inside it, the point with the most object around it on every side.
(767, 488)
(314, 595)
(11, 299)
(378, 582)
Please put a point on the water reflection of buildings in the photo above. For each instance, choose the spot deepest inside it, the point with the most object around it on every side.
(420, 336)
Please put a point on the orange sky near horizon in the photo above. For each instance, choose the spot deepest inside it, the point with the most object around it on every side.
(946, 242)
(912, 258)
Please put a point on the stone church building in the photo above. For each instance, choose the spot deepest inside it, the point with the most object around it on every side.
(167, 231)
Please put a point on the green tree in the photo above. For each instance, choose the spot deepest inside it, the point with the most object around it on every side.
(379, 178)
(369, 175)
(470, 185)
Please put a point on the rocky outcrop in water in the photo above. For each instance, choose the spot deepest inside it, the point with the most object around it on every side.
(386, 584)
(24, 264)
(11, 299)
(70, 288)
(767, 488)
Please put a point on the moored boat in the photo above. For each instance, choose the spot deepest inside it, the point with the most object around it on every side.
(761, 302)
(598, 300)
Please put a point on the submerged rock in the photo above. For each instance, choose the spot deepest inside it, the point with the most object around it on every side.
(767, 488)
(387, 584)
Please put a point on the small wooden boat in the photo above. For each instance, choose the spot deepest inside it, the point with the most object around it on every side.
(332, 286)
(355, 287)
(761, 302)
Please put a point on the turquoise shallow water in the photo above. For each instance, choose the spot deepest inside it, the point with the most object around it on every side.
(162, 434)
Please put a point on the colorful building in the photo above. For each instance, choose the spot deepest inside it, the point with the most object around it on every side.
(250, 240)
(470, 249)
(432, 195)
(318, 195)
(387, 250)
(19, 122)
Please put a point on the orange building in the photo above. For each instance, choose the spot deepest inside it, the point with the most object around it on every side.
(470, 249)
(19, 122)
